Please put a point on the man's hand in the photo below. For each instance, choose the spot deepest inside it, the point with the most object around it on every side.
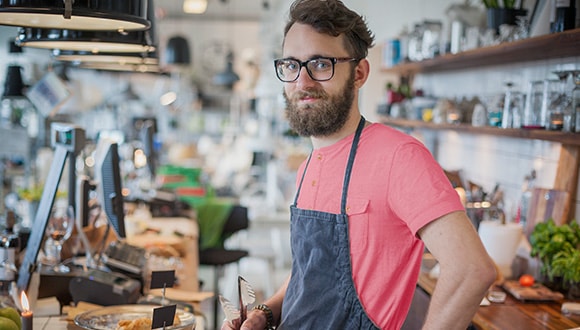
(256, 321)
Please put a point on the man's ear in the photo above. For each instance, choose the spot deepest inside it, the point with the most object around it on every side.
(361, 72)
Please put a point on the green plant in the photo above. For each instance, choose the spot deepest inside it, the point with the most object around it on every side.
(499, 4)
(558, 248)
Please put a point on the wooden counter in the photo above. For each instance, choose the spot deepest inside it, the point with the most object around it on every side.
(514, 314)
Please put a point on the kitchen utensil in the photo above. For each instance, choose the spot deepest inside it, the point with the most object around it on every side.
(247, 296)
(231, 312)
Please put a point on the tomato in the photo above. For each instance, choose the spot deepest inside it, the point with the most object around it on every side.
(527, 280)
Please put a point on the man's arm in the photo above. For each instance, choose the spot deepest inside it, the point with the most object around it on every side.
(466, 274)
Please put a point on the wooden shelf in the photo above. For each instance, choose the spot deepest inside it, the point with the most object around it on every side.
(531, 134)
(557, 45)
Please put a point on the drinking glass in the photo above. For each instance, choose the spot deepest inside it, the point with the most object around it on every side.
(533, 107)
(550, 94)
(560, 107)
(512, 108)
(59, 229)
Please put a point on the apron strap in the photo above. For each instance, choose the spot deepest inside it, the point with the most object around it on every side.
(302, 180)
(348, 172)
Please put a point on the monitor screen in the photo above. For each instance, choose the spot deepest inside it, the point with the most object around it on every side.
(147, 137)
(109, 184)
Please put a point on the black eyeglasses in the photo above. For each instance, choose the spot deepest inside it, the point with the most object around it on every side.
(319, 69)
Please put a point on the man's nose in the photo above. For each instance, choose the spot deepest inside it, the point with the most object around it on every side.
(304, 78)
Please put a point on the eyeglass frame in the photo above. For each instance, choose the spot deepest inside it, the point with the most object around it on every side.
(333, 60)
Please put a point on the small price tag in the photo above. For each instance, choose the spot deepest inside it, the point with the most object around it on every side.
(163, 316)
(162, 279)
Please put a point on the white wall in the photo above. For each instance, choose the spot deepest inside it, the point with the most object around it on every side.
(386, 18)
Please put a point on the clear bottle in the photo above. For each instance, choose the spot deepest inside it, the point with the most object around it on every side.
(527, 188)
(576, 103)
(564, 16)
(9, 249)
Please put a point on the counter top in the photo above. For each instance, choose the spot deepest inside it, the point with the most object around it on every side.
(514, 314)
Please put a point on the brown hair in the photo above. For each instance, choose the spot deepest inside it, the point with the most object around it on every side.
(332, 17)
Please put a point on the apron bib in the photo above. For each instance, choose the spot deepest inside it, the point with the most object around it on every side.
(321, 293)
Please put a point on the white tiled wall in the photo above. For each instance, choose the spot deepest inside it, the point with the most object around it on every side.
(485, 159)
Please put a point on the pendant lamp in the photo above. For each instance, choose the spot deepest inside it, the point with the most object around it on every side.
(177, 51)
(228, 77)
(92, 41)
(13, 84)
(94, 15)
(127, 67)
(138, 62)
(79, 57)
(194, 6)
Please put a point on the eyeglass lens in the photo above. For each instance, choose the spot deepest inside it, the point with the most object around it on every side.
(319, 69)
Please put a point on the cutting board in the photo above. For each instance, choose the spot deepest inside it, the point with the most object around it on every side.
(536, 292)
(546, 204)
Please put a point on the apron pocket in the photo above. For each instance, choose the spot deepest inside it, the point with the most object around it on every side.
(358, 223)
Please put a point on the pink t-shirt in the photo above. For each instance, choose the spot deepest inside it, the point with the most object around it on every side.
(396, 188)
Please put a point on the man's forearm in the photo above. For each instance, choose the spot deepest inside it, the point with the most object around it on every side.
(455, 301)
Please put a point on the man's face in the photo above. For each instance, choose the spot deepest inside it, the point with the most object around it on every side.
(317, 108)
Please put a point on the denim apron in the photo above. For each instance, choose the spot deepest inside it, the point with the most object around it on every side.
(321, 293)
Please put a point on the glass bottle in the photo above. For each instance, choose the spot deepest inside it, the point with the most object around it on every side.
(576, 102)
(9, 248)
(564, 16)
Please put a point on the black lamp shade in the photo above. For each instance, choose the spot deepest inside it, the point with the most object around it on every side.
(95, 15)
(228, 77)
(93, 41)
(83, 57)
(177, 51)
(13, 84)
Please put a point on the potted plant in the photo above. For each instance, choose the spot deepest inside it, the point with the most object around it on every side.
(558, 249)
(502, 12)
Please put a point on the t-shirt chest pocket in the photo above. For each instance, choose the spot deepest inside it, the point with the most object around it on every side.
(358, 223)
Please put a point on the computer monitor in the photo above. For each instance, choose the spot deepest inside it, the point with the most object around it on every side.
(109, 184)
(147, 137)
(144, 131)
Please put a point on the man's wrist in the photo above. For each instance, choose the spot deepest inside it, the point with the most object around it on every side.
(269, 315)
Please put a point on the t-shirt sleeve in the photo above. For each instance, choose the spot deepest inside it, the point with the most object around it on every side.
(419, 191)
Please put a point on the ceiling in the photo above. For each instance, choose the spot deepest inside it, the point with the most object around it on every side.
(248, 10)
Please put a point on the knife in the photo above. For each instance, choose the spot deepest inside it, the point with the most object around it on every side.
(247, 296)
(231, 312)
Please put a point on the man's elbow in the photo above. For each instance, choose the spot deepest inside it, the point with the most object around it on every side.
(487, 272)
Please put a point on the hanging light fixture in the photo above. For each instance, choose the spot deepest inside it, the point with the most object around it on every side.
(228, 77)
(78, 57)
(95, 15)
(194, 6)
(13, 85)
(143, 62)
(127, 67)
(177, 51)
(91, 41)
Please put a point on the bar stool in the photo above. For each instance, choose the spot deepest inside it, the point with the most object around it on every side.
(218, 257)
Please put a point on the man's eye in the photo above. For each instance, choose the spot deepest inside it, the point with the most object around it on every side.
(320, 64)
(292, 66)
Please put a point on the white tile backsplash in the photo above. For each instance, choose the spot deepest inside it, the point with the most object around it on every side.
(486, 159)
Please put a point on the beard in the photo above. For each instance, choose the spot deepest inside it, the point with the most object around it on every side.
(324, 118)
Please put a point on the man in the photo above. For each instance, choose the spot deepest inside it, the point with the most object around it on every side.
(369, 198)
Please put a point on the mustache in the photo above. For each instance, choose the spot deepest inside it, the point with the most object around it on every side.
(310, 93)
